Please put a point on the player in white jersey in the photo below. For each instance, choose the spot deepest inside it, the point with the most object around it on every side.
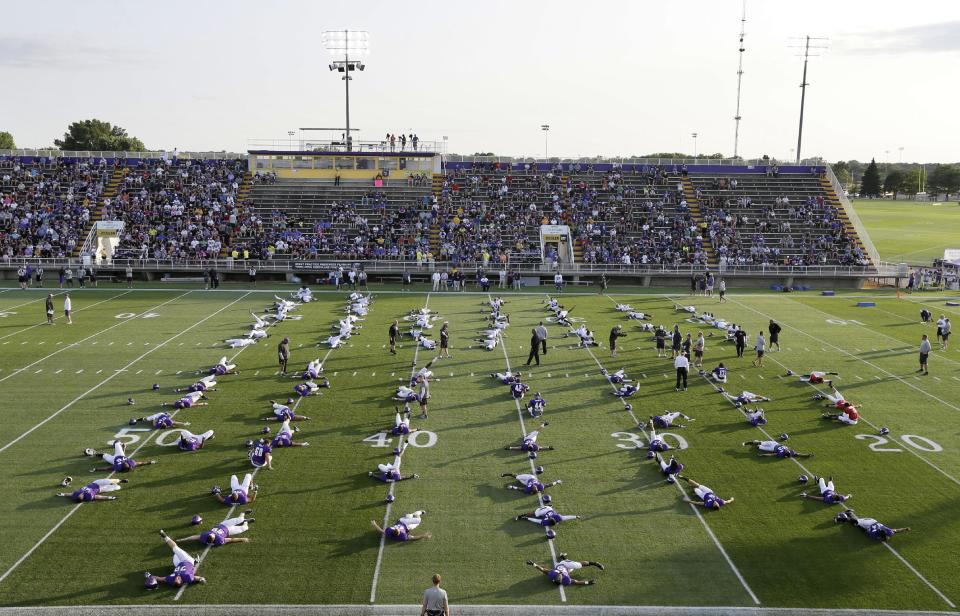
(756, 417)
(207, 383)
(690, 309)
(239, 343)
(334, 341)
(624, 308)
(303, 294)
(639, 316)
(617, 378)
(224, 367)
(314, 369)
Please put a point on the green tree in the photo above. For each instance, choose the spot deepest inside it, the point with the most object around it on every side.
(944, 179)
(911, 180)
(870, 185)
(895, 182)
(98, 135)
(842, 170)
(6, 141)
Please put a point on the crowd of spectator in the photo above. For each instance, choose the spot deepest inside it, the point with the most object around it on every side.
(45, 205)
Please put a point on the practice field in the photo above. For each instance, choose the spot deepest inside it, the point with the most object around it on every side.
(65, 387)
(932, 228)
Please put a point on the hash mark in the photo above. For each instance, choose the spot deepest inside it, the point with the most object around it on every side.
(139, 371)
(99, 371)
(79, 371)
(59, 371)
(39, 371)
(858, 376)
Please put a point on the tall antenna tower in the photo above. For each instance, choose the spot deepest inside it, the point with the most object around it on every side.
(809, 50)
(737, 118)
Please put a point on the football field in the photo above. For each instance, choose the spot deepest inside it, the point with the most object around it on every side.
(64, 388)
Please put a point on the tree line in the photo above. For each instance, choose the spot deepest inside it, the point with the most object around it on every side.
(873, 180)
(86, 135)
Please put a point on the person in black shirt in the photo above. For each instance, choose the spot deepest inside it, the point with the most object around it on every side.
(534, 347)
(394, 332)
(677, 339)
(615, 333)
(49, 308)
(774, 330)
(661, 336)
(283, 354)
(687, 342)
(445, 339)
(740, 338)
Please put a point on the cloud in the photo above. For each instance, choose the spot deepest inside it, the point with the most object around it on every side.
(941, 37)
(36, 54)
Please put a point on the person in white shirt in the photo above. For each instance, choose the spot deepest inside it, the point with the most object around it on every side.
(435, 278)
(682, 364)
(760, 346)
(558, 282)
(68, 308)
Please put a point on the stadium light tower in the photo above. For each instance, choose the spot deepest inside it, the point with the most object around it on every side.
(346, 44)
(290, 134)
(738, 117)
(818, 45)
(546, 131)
(694, 135)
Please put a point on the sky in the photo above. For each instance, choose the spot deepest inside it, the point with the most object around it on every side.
(610, 78)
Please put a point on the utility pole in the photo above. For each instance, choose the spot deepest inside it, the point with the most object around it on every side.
(737, 118)
(694, 135)
(546, 131)
(807, 47)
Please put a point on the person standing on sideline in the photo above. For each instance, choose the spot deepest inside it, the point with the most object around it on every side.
(129, 272)
(603, 284)
(394, 332)
(682, 364)
(661, 338)
(940, 322)
(445, 340)
(534, 347)
(558, 282)
(252, 273)
(436, 281)
(49, 308)
(38, 276)
(503, 278)
(283, 354)
(542, 335)
(925, 348)
(740, 338)
(676, 340)
(945, 333)
(435, 601)
(722, 287)
(760, 346)
(68, 308)
(774, 330)
(616, 332)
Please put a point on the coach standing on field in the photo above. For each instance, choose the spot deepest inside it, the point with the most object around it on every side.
(394, 332)
(283, 354)
(682, 364)
(435, 601)
(534, 347)
(774, 330)
(49, 308)
(925, 348)
(542, 335)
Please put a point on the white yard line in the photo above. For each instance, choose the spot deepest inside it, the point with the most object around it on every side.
(116, 373)
(390, 491)
(919, 575)
(94, 335)
(131, 455)
(869, 363)
(523, 432)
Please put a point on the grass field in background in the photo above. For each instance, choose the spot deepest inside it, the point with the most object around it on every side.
(64, 388)
(914, 232)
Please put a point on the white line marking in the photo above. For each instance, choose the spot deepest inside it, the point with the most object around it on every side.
(79, 371)
(919, 575)
(56, 318)
(59, 371)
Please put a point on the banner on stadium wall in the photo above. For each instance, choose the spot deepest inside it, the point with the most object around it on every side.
(109, 228)
(305, 265)
(952, 255)
(554, 233)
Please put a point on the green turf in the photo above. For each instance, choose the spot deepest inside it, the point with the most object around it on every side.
(914, 232)
(313, 543)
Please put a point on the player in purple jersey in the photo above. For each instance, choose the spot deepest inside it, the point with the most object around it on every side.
(225, 532)
(261, 454)
(207, 383)
(529, 441)
(828, 493)
(194, 398)
(391, 472)
(282, 412)
(313, 371)
(756, 417)
(537, 405)
(401, 530)
(745, 397)
(224, 367)
(617, 378)
(189, 441)
(657, 444)
(665, 420)
(284, 437)
(406, 394)
(309, 388)
(507, 378)
(529, 484)
(240, 493)
(118, 461)
(546, 516)
(559, 574)
(773, 449)
(401, 426)
(518, 389)
(626, 390)
(160, 421)
(873, 528)
(708, 499)
(671, 469)
(184, 568)
(93, 490)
